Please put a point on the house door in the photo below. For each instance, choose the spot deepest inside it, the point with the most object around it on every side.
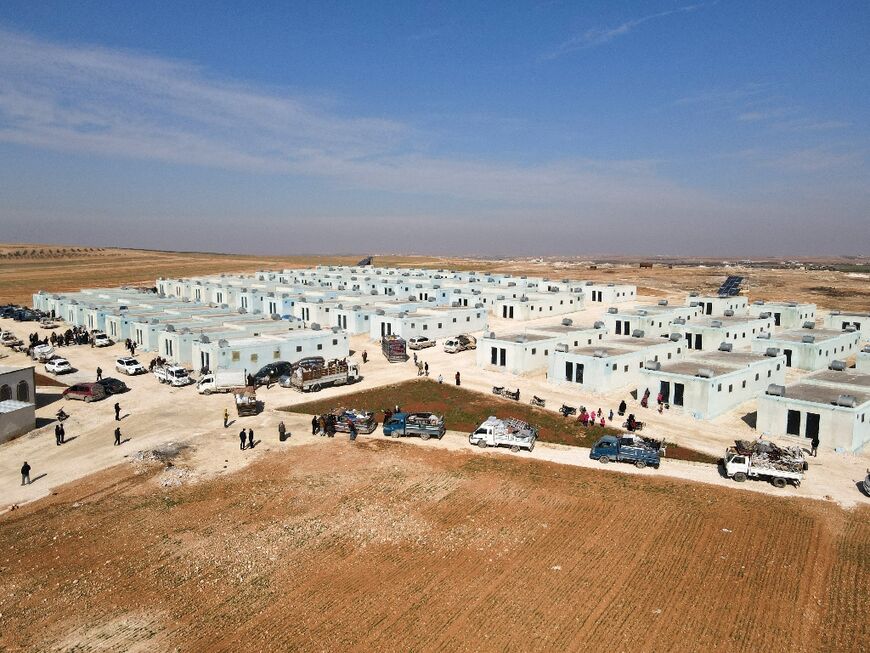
(625, 330)
(511, 312)
(709, 308)
(793, 422)
(678, 394)
(504, 311)
(569, 370)
(812, 425)
(493, 356)
(204, 360)
(578, 373)
(619, 327)
(502, 359)
(787, 353)
(699, 341)
(777, 318)
(665, 389)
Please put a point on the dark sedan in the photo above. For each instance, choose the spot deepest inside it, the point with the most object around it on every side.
(113, 386)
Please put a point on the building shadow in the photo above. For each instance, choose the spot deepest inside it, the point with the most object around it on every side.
(47, 398)
(750, 419)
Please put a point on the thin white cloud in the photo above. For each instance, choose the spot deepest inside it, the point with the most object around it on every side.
(86, 99)
(599, 36)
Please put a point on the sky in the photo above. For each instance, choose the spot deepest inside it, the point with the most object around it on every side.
(721, 128)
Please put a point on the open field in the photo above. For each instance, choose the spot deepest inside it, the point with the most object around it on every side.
(382, 545)
(25, 269)
(464, 410)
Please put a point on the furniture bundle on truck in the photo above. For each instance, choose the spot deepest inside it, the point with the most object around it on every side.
(425, 425)
(394, 348)
(246, 401)
(363, 420)
(316, 377)
(509, 432)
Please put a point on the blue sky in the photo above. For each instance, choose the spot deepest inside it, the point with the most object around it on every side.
(709, 128)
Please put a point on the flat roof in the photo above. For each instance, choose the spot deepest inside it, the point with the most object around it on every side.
(720, 362)
(822, 394)
(563, 328)
(850, 314)
(783, 304)
(618, 346)
(844, 377)
(11, 405)
(520, 337)
(7, 369)
(726, 320)
(821, 335)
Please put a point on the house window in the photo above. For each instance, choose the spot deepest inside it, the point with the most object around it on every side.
(23, 393)
(298, 348)
(730, 387)
(744, 383)
(534, 351)
(625, 369)
(756, 377)
(235, 356)
(719, 388)
(254, 358)
(319, 346)
(613, 367)
(335, 341)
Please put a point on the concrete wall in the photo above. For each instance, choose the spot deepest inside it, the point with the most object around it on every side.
(520, 356)
(839, 321)
(785, 316)
(862, 362)
(713, 306)
(252, 353)
(16, 419)
(812, 356)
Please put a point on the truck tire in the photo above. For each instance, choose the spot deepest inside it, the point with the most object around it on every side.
(316, 387)
(482, 444)
(604, 460)
(515, 448)
(739, 477)
(779, 482)
(424, 436)
(640, 464)
(206, 392)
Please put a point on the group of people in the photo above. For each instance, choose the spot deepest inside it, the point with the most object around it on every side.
(590, 418)
(325, 426)
(130, 345)
(157, 361)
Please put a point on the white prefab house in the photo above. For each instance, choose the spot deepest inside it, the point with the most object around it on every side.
(516, 353)
(569, 334)
(535, 305)
(650, 321)
(434, 323)
(251, 353)
(609, 293)
(835, 406)
(841, 321)
(710, 384)
(709, 333)
(811, 349)
(615, 362)
(862, 360)
(787, 315)
(719, 305)
(17, 401)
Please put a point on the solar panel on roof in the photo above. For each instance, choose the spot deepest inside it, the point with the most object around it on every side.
(731, 286)
(366, 261)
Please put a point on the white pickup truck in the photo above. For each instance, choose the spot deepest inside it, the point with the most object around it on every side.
(459, 343)
(220, 381)
(779, 465)
(509, 432)
(173, 375)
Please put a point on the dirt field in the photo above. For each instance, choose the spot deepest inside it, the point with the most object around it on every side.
(386, 546)
(464, 410)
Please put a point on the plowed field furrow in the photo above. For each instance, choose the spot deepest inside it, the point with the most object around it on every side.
(405, 549)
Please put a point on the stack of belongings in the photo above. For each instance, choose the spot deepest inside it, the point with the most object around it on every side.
(767, 454)
(364, 420)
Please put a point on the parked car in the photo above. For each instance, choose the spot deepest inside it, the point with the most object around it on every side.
(86, 392)
(129, 366)
(173, 375)
(58, 365)
(113, 386)
(102, 340)
(273, 371)
(420, 342)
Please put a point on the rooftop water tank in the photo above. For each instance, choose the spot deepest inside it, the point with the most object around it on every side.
(637, 333)
(725, 346)
(775, 390)
(653, 365)
(847, 401)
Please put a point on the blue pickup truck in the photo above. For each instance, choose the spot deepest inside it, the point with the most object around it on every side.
(632, 449)
(425, 425)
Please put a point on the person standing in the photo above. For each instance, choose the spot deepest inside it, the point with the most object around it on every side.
(242, 439)
(415, 358)
(117, 412)
(440, 379)
(314, 425)
(117, 436)
(321, 423)
(25, 473)
(815, 446)
(457, 379)
(352, 428)
(99, 374)
(62, 433)
(282, 431)
(250, 438)
(57, 434)
(226, 418)
(365, 356)
(426, 368)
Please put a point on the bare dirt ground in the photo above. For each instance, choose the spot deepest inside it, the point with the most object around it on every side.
(377, 545)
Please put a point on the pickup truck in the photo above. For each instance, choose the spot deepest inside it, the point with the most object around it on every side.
(426, 425)
(779, 465)
(102, 340)
(363, 420)
(220, 381)
(631, 449)
(460, 343)
(509, 432)
(173, 375)
(334, 372)
(420, 342)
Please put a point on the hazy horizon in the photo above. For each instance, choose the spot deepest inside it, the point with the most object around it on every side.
(714, 129)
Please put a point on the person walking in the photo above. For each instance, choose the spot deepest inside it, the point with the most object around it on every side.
(99, 374)
(365, 356)
(62, 433)
(352, 428)
(57, 434)
(415, 358)
(815, 446)
(282, 430)
(117, 412)
(321, 423)
(457, 379)
(314, 425)
(226, 418)
(440, 379)
(250, 438)
(426, 368)
(25, 473)
(242, 437)
(117, 436)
